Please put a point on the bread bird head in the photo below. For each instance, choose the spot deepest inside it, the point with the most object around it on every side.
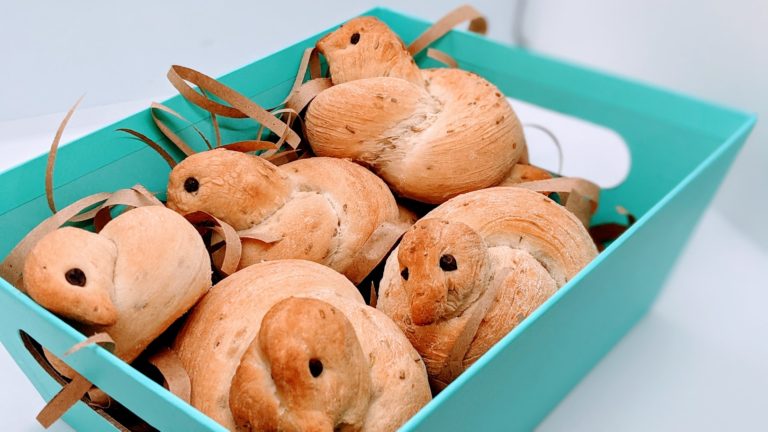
(365, 47)
(444, 267)
(305, 371)
(70, 272)
(238, 188)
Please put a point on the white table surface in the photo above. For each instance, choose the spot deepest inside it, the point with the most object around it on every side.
(697, 361)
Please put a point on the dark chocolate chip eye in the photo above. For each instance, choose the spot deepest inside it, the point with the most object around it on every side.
(191, 185)
(355, 38)
(75, 277)
(448, 263)
(315, 367)
(404, 273)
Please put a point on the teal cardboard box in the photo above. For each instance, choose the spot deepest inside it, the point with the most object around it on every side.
(681, 148)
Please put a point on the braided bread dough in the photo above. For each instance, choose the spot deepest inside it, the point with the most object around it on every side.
(475, 267)
(142, 272)
(430, 134)
(324, 210)
(290, 345)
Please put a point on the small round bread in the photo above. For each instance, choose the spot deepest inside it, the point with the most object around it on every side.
(325, 210)
(430, 134)
(473, 268)
(142, 272)
(290, 345)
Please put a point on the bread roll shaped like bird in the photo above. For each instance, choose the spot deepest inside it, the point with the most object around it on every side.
(290, 345)
(325, 210)
(143, 271)
(430, 134)
(473, 268)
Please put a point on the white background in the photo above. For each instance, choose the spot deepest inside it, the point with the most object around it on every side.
(699, 360)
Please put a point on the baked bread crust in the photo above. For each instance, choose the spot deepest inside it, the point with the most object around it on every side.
(325, 210)
(430, 138)
(247, 344)
(142, 272)
(511, 249)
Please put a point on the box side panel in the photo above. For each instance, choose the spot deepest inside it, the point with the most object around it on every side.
(556, 348)
(669, 134)
(524, 376)
(148, 399)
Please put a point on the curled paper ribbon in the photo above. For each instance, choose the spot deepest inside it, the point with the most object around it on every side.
(376, 248)
(11, 268)
(77, 388)
(477, 24)
(241, 106)
(153, 145)
(442, 57)
(205, 221)
(578, 195)
(175, 376)
(176, 380)
(52, 156)
(175, 139)
(455, 362)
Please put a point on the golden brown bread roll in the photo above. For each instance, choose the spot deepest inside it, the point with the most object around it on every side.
(476, 266)
(133, 279)
(290, 345)
(430, 134)
(325, 210)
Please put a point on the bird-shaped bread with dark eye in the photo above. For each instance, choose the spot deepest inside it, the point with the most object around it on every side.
(143, 271)
(430, 134)
(290, 345)
(325, 210)
(473, 268)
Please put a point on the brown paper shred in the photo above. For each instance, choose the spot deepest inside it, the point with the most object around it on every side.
(137, 196)
(77, 388)
(175, 139)
(96, 397)
(151, 199)
(249, 146)
(180, 83)
(153, 145)
(301, 97)
(554, 139)
(315, 70)
(125, 197)
(442, 57)
(260, 234)
(231, 238)
(378, 245)
(605, 233)
(477, 24)
(176, 377)
(52, 156)
(455, 361)
(310, 59)
(215, 124)
(285, 157)
(63, 401)
(374, 300)
(301, 93)
(580, 206)
(240, 107)
(525, 173)
(565, 185)
(101, 338)
(11, 267)
(216, 131)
